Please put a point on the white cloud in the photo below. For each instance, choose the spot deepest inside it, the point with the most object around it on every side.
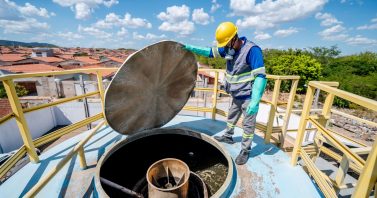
(261, 35)
(148, 36)
(332, 30)
(372, 26)
(83, 11)
(112, 19)
(327, 19)
(285, 32)
(197, 39)
(183, 28)
(175, 14)
(94, 32)
(268, 14)
(69, 35)
(214, 6)
(368, 27)
(11, 11)
(84, 8)
(359, 40)
(110, 3)
(123, 32)
(200, 17)
(29, 25)
(176, 19)
(30, 10)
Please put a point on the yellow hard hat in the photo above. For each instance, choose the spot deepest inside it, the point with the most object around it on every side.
(225, 32)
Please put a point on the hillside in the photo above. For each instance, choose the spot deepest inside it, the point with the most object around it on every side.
(23, 44)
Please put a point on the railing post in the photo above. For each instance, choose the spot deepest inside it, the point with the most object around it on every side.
(82, 158)
(214, 99)
(101, 90)
(368, 177)
(271, 117)
(302, 124)
(288, 111)
(20, 120)
(323, 120)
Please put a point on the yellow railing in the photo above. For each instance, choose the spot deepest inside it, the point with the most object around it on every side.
(30, 144)
(267, 127)
(351, 156)
(18, 114)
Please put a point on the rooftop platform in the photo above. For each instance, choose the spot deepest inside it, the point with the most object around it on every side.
(268, 172)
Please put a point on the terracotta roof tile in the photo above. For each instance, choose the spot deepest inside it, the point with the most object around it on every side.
(104, 73)
(30, 68)
(86, 59)
(49, 59)
(12, 57)
(119, 60)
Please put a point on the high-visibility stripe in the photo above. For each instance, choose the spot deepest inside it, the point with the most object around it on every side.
(245, 77)
(250, 136)
(215, 52)
(261, 70)
(230, 125)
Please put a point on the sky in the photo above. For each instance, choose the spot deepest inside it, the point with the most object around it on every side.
(279, 24)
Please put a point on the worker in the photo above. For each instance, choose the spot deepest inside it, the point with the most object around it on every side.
(245, 82)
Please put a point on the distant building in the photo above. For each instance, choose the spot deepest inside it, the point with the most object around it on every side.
(42, 52)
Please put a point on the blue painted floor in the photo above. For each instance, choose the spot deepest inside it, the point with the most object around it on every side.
(268, 172)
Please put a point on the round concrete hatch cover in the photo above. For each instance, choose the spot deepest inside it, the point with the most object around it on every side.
(150, 88)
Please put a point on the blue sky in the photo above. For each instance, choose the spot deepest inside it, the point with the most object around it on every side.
(282, 24)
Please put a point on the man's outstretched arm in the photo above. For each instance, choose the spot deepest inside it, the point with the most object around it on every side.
(213, 52)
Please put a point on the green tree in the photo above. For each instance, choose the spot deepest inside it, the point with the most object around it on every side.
(20, 90)
(303, 65)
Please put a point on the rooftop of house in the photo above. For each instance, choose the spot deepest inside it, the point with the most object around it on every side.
(49, 59)
(86, 60)
(105, 74)
(12, 57)
(30, 68)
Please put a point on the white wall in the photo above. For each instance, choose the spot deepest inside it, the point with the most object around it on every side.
(41, 121)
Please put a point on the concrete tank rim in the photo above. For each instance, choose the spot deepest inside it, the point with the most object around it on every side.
(156, 131)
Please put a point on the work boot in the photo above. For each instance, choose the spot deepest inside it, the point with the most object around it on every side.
(242, 157)
(225, 139)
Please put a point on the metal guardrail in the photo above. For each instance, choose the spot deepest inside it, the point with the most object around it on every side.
(351, 157)
(18, 114)
(29, 144)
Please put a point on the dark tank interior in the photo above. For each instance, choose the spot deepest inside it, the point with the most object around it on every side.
(127, 166)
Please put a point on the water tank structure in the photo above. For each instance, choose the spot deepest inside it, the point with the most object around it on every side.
(150, 88)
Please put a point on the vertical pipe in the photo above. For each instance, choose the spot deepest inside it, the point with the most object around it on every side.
(85, 101)
(288, 111)
(302, 124)
(214, 100)
(270, 122)
(20, 120)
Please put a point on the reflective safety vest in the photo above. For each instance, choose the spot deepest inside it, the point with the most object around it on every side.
(239, 76)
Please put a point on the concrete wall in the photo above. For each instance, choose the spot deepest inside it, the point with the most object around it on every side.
(42, 121)
(39, 122)
(73, 112)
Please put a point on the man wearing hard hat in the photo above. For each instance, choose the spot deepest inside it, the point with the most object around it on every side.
(245, 82)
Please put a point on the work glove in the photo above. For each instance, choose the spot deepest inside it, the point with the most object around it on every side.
(257, 91)
(202, 51)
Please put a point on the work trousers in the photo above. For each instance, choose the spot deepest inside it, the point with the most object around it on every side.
(238, 108)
